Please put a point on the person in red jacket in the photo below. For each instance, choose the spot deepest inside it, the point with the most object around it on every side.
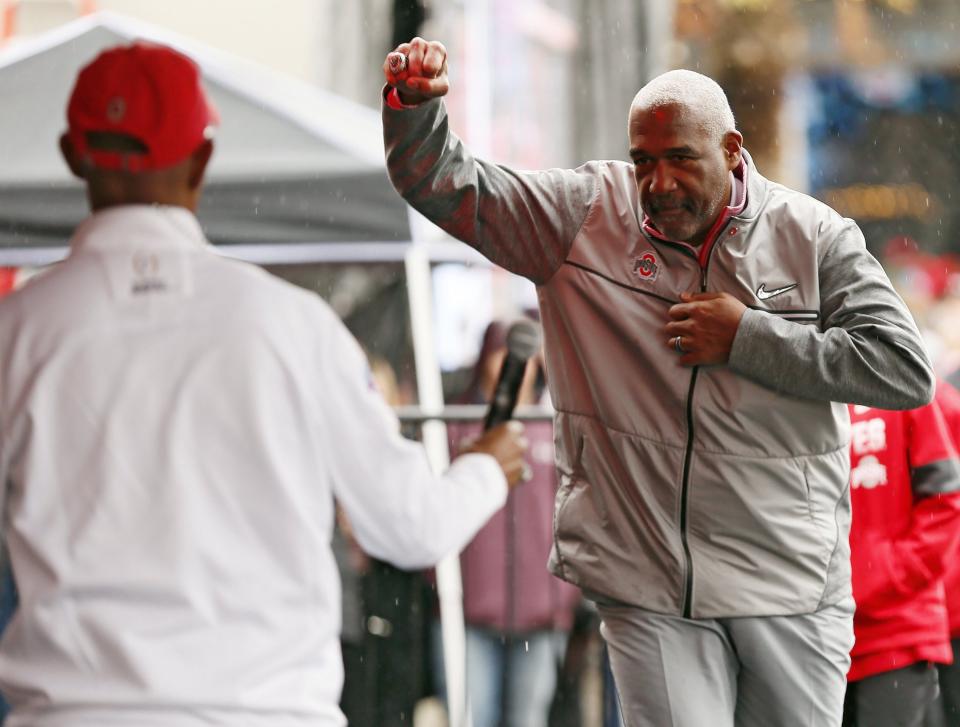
(949, 402)
(905, 492)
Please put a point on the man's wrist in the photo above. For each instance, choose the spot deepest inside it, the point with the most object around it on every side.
(396, 102)
(740, 353)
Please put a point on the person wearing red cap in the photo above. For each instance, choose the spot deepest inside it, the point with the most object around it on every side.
(905, 492)
(174, 426)
(138, 108)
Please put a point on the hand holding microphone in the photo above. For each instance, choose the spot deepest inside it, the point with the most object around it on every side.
(418, 70)
(507, 444)
(523, 343)
(503, 438)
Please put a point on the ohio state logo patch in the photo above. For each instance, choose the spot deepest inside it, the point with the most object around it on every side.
(646, 266)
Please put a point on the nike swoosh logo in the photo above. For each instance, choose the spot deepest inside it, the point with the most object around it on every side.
(764, 294)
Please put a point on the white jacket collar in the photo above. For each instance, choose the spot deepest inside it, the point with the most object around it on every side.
(121, 226)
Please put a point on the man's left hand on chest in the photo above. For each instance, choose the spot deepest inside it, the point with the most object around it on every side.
(706, 324)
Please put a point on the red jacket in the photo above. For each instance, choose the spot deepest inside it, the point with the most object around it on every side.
(905, 492)
(948, 399)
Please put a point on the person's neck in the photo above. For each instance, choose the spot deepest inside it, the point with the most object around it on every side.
(708, 232)
(116, 190)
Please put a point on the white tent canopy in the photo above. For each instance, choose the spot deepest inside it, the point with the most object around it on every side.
(293, 164)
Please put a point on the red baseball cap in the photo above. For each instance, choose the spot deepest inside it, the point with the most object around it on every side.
(146, 91)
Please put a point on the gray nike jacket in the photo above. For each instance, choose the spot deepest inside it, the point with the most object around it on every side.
(715, 491)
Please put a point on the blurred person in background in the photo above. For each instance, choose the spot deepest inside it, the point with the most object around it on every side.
(929, 284)
(948, 398)
(905, 492)
(174, 426)
(701, 326)
(518, 615)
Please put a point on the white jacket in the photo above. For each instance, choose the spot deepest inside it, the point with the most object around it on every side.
(173, 426)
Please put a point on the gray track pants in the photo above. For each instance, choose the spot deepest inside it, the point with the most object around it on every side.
(788, 671)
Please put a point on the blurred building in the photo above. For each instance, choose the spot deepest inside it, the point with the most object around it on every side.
(283, 35)
(549, 82)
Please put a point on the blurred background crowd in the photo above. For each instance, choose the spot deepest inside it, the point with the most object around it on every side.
(855, 101)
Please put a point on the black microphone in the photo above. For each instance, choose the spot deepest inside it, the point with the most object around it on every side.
(523, 341)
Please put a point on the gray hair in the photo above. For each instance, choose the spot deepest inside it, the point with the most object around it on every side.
(692, 91)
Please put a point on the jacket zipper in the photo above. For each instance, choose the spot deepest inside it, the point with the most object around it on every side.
(687, 601)
(684, 493)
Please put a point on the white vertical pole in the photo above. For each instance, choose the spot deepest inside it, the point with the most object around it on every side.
(660, 16)
(478, 67)
(430, 389)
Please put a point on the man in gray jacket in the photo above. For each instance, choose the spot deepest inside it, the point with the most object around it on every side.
(703, 328)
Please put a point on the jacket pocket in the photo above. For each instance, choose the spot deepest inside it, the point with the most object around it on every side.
(571, 474)
(760, 542)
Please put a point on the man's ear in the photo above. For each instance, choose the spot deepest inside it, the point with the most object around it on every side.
(733, 148)
(198, 163)
(70, 156)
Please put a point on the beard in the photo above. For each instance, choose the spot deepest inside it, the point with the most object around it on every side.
(676, 219)
(682, 219)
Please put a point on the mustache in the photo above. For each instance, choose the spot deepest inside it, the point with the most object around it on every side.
(667, 204)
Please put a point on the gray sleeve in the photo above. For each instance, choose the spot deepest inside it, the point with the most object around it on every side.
(868, 350)
(523, 221)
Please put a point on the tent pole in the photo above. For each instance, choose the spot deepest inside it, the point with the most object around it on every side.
(659, 21)
(430, 389)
